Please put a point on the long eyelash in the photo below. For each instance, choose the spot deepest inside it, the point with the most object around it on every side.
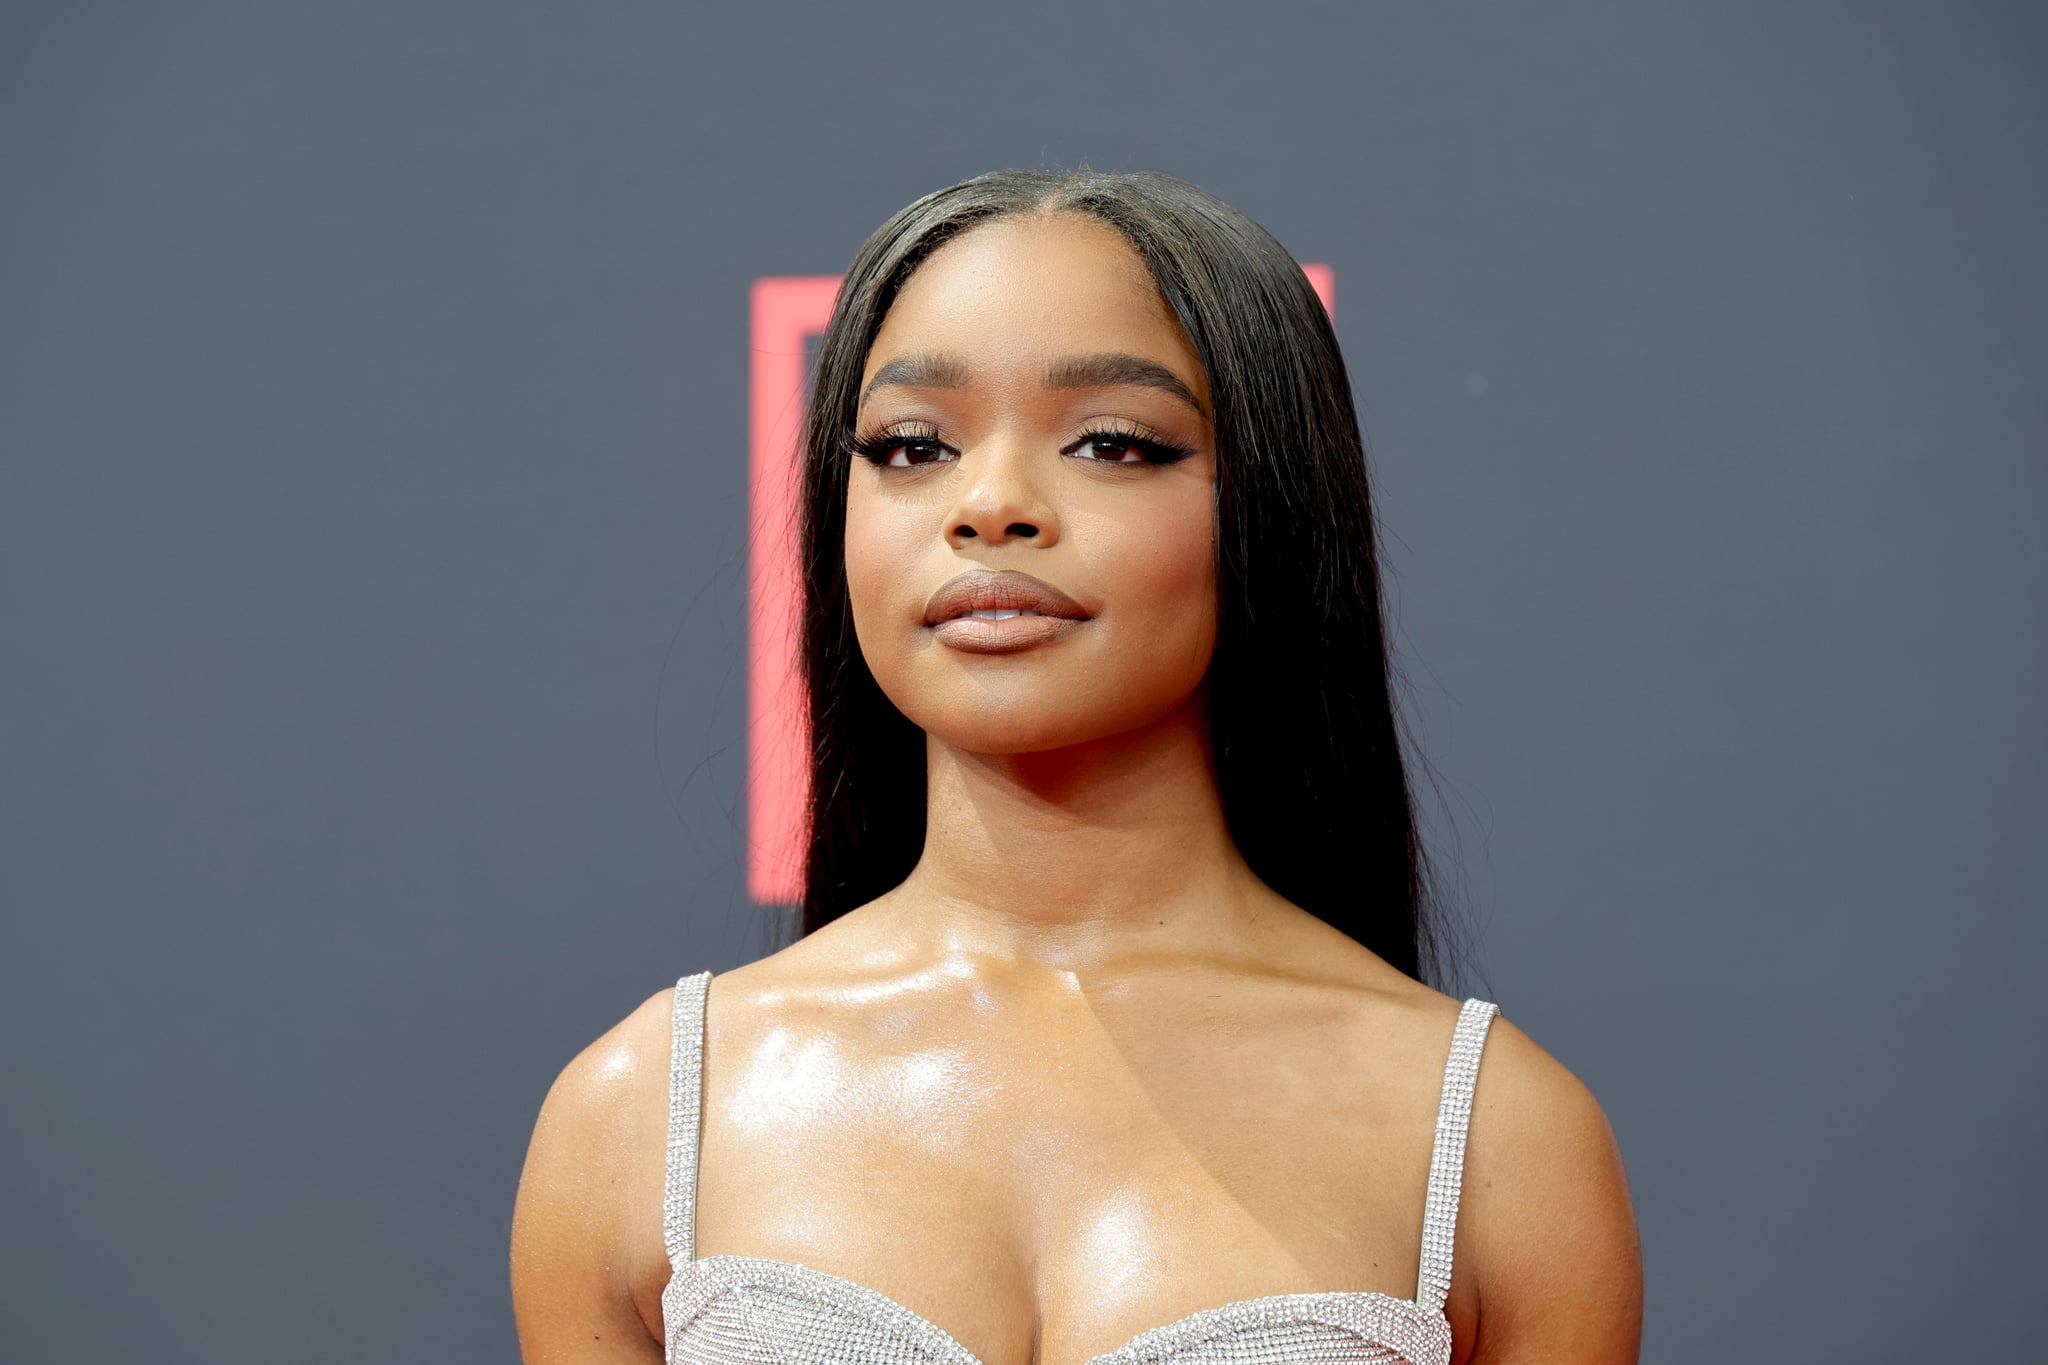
(875, 447)
(1151, 447)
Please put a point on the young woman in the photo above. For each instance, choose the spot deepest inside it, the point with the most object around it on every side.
(1108, 1035)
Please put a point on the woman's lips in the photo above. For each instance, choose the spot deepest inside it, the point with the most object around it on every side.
(985, 612)
(976, 636)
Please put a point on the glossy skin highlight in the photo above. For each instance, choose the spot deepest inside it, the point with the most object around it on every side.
(1082, 1073)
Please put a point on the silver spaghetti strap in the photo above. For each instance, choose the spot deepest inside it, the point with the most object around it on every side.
(685, 1120)
(1447, 1156)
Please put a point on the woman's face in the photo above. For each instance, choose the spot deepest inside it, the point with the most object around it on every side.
(1030, 543)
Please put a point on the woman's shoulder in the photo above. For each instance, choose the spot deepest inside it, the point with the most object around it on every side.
(582, 1256)
(1536, 1127)
(616, 1073)
(601, 1096)
(1534, 1122)
(608, 1105)
(1546, 1226)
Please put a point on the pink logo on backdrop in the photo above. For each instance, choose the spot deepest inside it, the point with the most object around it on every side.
(788, 311)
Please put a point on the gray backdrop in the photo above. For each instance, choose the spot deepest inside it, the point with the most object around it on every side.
(372, 399)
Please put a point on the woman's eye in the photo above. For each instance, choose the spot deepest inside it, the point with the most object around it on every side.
(1111, 451)
(904, 454)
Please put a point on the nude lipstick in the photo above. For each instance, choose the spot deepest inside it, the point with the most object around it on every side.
(987, 612)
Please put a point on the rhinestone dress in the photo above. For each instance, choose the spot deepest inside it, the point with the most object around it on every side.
(748, 1310)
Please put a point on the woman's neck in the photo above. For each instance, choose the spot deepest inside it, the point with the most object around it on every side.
(1080, 855)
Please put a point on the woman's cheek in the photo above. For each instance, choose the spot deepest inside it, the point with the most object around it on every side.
(1161, 571)
(879, 556)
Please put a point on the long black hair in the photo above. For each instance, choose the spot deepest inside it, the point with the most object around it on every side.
(1302, 715)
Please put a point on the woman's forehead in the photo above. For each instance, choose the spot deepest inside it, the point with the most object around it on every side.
(1032, 290)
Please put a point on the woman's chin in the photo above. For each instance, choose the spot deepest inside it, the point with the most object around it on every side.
(995, 731)
(991, 737)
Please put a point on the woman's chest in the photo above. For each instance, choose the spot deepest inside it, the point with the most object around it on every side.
(1053, 1204)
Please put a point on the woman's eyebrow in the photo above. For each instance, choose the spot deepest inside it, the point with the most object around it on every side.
(1104, 369)
(1107, 369)
(920, 370)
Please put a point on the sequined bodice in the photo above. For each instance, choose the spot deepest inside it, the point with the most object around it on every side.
(749, 1310)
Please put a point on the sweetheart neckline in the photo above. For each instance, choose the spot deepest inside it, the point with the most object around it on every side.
(1429, 1324)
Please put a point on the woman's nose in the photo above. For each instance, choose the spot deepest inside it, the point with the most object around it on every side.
(1001, 499)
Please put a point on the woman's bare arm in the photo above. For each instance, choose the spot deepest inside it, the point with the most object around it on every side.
(579, 1197)
(1551, 1237)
